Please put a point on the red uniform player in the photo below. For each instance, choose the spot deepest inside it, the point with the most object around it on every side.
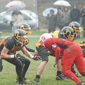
(72, 53)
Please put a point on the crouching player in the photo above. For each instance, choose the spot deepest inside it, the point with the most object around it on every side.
(70, 54)
(8, 48)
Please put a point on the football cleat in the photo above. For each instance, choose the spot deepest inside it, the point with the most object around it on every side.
(17, 80)
(61, 77)
(79, 83)
(78, 75)
(24, 82)
(36, 80)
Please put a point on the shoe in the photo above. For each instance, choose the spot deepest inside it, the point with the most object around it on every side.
(17, 80)
(36, 80)
(79, 83)
(24, 82)
(1, 67)
(26, 79)
(61, 77)
(77, 75)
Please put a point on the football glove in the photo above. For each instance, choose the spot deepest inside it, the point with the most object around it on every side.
(37, 58)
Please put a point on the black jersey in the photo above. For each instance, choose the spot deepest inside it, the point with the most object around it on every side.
(11, 44)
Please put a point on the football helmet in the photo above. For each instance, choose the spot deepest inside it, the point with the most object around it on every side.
(21, 37)
(67, 33)
(76, 27)
(54, 34)
(26, 28)
(43, 37)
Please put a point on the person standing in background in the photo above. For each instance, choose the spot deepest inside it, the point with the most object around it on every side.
(75, 14)
(17, 20)
(83, 20)
(59, 19)
(66, 16)
(51, 21)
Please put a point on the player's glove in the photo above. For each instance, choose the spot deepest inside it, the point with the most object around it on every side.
(37, 58)
(1, 67)
(54, 63)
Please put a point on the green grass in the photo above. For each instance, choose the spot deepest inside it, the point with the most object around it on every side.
(8, 75)
(34, 32)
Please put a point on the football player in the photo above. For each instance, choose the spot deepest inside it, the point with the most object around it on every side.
(77, 31)
(82, 45)
(8, 48)
(58, 34)
(70, 54)
(27, 29)
(44, 53)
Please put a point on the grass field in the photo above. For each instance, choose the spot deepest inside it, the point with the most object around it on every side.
(8, 75)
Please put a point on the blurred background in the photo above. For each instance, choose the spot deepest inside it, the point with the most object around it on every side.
(37, 7)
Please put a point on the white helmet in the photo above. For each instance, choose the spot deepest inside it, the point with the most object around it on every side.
(44, 36)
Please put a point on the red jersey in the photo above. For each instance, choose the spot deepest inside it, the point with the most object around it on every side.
(57, 45)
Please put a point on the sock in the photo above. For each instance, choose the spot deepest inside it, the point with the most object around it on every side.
(58, 73)
(38, 76)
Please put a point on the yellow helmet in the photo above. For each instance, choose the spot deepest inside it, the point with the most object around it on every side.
(26, 28)
(55, 34)
(67, 33)
(76, 27)
(21, 37)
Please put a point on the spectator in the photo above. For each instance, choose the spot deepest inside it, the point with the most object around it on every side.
(17, 20)
(83, 20)
(66, 16)
(59, 19)
(75, 14)
(51, 21)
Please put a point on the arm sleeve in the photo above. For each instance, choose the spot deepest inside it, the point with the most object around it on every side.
(57, 51)
(29, 49)
(57, 54)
